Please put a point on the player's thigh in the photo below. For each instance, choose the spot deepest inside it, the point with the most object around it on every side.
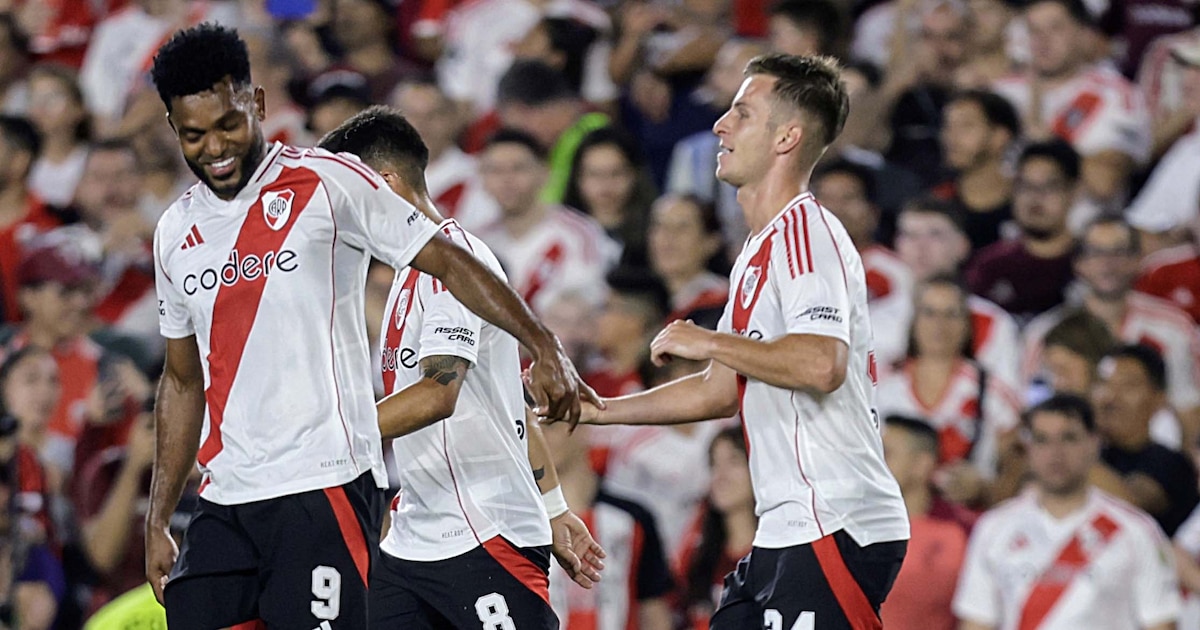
(738, 607)
(215, 580)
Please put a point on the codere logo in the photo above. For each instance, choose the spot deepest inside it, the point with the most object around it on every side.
(237, 268)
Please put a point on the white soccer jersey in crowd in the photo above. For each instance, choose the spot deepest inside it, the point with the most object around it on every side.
(1187, 539)
(1096, 110)
(454, 185)
(962, 429)
(467, 478)
(816, 463)
(1106, 566)
(567, 250)
(886, 273)
(271, 285)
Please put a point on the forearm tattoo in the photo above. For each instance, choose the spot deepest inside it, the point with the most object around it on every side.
(538, 473)
(444, 369)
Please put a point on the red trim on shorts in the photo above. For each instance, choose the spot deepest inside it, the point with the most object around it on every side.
(849, 594)
(257, 624)
(351, 531)
(519, 566)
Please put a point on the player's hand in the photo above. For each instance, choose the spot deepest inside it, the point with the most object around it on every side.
(161, 552)
(681, 339)
(557, 388)
(575, 550)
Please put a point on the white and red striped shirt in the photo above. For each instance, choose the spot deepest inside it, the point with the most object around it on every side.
(886, 273)
(454, 185)
(964, 430)
(566, 250)
(816, 463)
(271, 285)
(1173, 274)
(1106, 566)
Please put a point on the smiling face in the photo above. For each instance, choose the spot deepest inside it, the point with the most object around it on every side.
(746, 133)
(220, 134)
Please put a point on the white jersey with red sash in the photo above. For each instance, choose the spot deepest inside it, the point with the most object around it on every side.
(816, 463)
(1106, 566)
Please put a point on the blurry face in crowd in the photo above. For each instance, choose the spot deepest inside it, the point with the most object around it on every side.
(725, 76)
(221, 136)
(624, 321)
(679, 247)
(943, 40)
(14, 163)
(513, 176)
(910, 464)
(930, 244)
(572, 320)
(31, 390)
(1061, 453)
(968, 139)
(1069, 371)
(1108, 262)
(431, 115)
(544, 122)
(846, 198)
(11, 60)
(606, 179)
(53, 107)
(327, 115)
(786, 37)
(1125, 400)
(1042, 198)
(941, 322)
(56, 308)
(729, 485)
(988, 22)
(746, 133)
(110, 184)
(1055, 39)
(357, 23)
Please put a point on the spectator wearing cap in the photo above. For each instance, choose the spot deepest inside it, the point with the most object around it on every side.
(1157, 479)
(1169, 80)
(334, 96)
(1107, 265)
(22, 214)
(535, 99)
(1029, 275)
(805, 27)
(1098, 112)
(14, 60)
(364, 30)
(979, 130)
(987, 57)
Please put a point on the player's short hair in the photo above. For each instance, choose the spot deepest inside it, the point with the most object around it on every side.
(380, 136)
(998, 111)
(923, 435)
(1149, 358)
(810, 84)
(21, 135)
(533, 83)
(509, 135)
(928, 204)
(1083, 334)
(1109, 218)
(1057, 151)
(644, 287)
(864, 174)
(821, 17)
(1068, 405)
(1077, 9)
(197, 58)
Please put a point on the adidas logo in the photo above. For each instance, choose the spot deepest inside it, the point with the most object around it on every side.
(193, 238)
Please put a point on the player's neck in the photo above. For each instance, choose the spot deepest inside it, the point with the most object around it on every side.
(1063, 504)
(761, 201)
(426, 205)
(579, 485)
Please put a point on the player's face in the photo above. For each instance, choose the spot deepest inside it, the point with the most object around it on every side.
(941, 323)
(930, 244)
(1108, 262)
(729, 486)
(31, 389)
(220, 135)
(606, 180)
(1054, 39)
(846, 198)
(1061, 452)
(1042, 198)
(1124, 398)
(678, 245)
(746, 133)
(966, 135)
(513, 176)
(1069, 372)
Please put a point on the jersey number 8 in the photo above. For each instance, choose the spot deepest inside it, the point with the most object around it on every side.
(493, 612)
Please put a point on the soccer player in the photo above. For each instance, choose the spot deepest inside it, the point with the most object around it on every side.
(477, 550)
(793, 353)
(260, 274)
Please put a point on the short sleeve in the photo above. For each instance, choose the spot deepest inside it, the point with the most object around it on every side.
(976, 598)
(370, 216)
(1155, 587)
(811, 278)
(174, 319)
(447, 328)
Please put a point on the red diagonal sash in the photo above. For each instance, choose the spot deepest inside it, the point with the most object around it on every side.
(1075, 556)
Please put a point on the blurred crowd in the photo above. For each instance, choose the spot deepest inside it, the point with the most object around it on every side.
(1021, 178)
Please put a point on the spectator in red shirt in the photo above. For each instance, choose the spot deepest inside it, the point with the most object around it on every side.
(29, 389)
(1170, 265)
(21, 214)
(634, 312)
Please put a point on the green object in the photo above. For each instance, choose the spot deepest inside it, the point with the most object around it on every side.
(135, 610)
(563, 154)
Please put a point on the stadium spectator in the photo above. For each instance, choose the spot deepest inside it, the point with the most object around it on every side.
(334, 96)
(1170, 265)
(805, 27)
(1029, 275)
(1065, 555)
(363, 31)
(29, 391)
(634, 312)
(1071, 355)
(573, 48)
(56, 109)
(14, 61)
(1157, 479)
(1169, 80)
(924, 588)
(988, 58)
(22, 214)
(686, 253)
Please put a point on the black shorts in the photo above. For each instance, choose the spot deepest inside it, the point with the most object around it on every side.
(298, 562)
(830, 584)
(496, 586)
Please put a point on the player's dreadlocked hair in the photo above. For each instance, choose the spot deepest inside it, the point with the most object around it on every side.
(197, 58)
(381, 136)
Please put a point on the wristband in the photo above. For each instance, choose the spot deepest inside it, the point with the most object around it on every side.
(556, 504)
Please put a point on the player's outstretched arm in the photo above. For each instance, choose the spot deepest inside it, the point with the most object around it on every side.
(429, 400)
(706, 395)
(556, 388)
(179, 416)
(573, 546)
